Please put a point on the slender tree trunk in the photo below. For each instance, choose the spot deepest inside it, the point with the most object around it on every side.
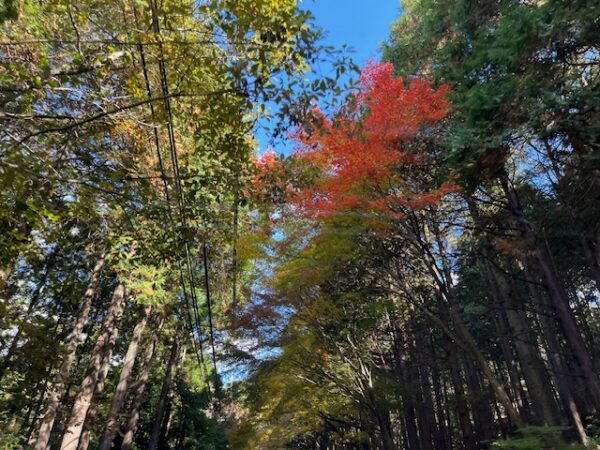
(119, 397)
(442, 439)
(534, 370)
(556, 291)
(84, 440)
(164, 394)
(532, 365)
(480, 406)
(166, 425)
(83, 400)
(462, 408)
(64, 371)
(420, 376)
(140, 389)
(513, 375)
(442, 279)
(559, 370)
(562, 383)
(536, 376)
(385, 428)
(401, 372)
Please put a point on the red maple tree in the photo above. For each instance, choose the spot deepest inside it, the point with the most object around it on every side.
(362, 151)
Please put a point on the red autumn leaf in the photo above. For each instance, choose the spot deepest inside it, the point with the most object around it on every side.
(361, 149)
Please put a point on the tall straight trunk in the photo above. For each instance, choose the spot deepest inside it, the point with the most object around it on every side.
(441, 439)
(119, 396)
(519, 395)
(442, 280)
(161, 408)
(563, 384)
(140, 389)
(483, 417)
(462, 408)
(471, 346)
(534, 371)
(408, 409)
(556, 291)
(90, 420)
(60, 381)
(402, 375)
(385, 429)
(532, 365)
(420, 375)
(166, 425)
(427, 428)
(83, 400)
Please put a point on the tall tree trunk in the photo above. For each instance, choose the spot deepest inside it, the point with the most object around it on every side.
(531, 363)
(402, 375)
(83, 400)
(420, 376)
(84, 440)
(442, 439)
(556, 290)
(563, 384)
(140, 389)
(166, 425)
(64, 371)
(121, 390)
(385, 429)
(442, 281)
(462, 408)
(164, 394)
(534, 370)
(483, 417)
(519, 394)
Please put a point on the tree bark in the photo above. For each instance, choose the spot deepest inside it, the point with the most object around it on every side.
(559, 370)
(64, 371)
(140, 389)
(402, 375)
(534, 370)
(519, 395)
(442, 281)
(442, 439)
(164, 396)
(83, 400)
(462, 408)
(121, 390)
(556, 291)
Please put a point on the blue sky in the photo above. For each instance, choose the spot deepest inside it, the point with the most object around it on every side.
(362, 24)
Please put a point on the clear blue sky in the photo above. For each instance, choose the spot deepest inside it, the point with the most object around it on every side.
(362, 24)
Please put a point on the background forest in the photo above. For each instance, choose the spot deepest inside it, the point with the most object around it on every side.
(420, 272)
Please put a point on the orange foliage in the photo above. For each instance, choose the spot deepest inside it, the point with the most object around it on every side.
(361, 151)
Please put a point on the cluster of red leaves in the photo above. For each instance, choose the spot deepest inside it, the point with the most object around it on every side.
(268, 172)
(360, 151)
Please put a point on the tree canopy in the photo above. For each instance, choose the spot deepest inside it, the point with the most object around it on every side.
(422, 271)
